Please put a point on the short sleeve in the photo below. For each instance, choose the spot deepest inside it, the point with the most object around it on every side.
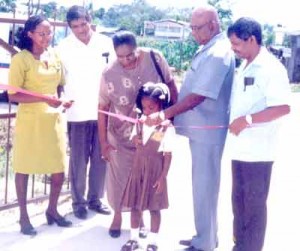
(17, 72)
(278, 88)
(59, 62)
(103, 92)
(168, 141)
(63, 78)
(213, 70)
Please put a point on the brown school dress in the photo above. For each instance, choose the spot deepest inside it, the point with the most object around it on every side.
(148, 165)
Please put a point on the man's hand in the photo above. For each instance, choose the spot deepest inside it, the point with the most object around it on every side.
(238, 125)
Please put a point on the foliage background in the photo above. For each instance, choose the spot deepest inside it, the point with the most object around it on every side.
(132, 16)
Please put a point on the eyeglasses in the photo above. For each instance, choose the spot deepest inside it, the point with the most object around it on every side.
(198, 27)
(44, 34)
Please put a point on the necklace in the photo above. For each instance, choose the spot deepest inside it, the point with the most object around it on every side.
(134, 72)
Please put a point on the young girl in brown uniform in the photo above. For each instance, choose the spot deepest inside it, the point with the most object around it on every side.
(147, 185)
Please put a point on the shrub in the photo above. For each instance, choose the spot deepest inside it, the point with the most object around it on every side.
(178, 53)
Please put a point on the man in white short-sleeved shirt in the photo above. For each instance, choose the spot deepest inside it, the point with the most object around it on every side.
(84, 54)
(260, 97)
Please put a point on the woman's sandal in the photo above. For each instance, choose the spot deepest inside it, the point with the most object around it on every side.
(151, 247)
(130, 245)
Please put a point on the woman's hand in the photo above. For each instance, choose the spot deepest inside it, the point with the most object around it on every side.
(67, 103)
(106, 148)
(53, 101)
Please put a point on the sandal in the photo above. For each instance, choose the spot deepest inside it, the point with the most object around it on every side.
(151, 247)
(130, 245)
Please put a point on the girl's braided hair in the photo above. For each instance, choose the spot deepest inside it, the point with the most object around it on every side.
(156, 91)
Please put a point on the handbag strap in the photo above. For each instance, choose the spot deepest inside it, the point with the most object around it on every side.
(157, 67)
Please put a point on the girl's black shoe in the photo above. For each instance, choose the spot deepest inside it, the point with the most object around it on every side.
(114, 233)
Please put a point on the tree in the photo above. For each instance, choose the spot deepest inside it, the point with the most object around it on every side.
(61, 13)
(7, 5)
(99, 13)
(224, 11)
(33, 9)
(49, 9)
(132, 17)
(178, 14)
(268, 34)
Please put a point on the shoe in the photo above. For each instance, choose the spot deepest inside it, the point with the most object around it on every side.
(151, 247)
(100, 208)
(60, 221)
(81, 213)
(143, 233)
(28, 230)
(187, 243)
(130, 245)
(114, 233)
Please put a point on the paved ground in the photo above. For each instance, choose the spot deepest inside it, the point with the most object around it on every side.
(177, 221)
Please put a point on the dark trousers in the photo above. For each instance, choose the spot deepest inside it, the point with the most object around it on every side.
(84, 149)
(250, 188)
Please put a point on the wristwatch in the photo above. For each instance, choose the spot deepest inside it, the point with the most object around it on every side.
(248, 119)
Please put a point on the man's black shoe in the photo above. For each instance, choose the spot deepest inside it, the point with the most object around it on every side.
(191, 248)
(100, 208)
(187, 243)
(81, 213)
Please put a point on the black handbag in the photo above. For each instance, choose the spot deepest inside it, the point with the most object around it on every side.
(159, 72)
(157, 67)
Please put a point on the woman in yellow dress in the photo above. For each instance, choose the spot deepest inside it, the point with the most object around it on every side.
(39, 140)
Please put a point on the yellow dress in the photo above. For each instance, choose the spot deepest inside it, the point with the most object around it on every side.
(39, 145)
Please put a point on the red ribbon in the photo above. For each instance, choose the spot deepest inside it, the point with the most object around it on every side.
(119, 116)
(134, 121)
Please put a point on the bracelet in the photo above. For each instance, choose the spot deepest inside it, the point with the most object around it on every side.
(162, 116)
